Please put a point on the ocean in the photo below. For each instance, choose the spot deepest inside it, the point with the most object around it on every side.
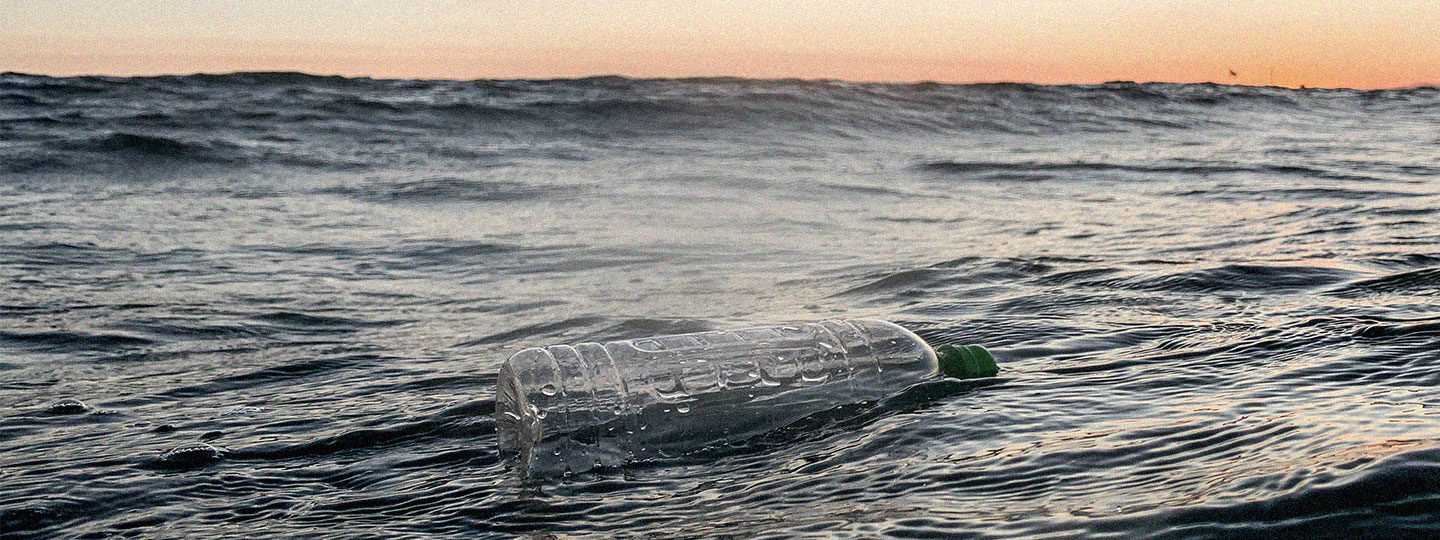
(273, 305)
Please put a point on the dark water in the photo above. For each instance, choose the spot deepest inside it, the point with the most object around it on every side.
(281, 300)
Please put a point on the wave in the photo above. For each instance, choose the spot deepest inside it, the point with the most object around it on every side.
(1040, 170)
(152, 146)
(101, 152)
(287, 119)
(72, 341)
(807, 101)
(445, 189)
(1424, 281)
(1398, 495)
(264, 78)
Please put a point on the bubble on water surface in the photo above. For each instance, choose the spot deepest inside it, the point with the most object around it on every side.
(68, 406)
(189, 456)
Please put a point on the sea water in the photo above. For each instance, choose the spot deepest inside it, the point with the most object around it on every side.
(277, 303)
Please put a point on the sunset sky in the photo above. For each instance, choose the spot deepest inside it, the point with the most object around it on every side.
(1383, 43)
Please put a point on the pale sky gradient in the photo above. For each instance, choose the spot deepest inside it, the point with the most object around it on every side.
(1349, 43)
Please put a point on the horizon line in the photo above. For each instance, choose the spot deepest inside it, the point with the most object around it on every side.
(1412, 86)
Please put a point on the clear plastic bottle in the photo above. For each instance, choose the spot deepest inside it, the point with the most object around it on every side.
(572, 408)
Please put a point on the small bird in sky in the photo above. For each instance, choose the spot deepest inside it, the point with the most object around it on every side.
(1232, 73)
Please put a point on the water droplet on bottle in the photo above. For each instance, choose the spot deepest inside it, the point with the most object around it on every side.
(815, 377)
(672, 390)
(548, 389)
(769, 375)
(683, 408)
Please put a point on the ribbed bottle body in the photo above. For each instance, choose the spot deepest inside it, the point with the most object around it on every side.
(571, 408)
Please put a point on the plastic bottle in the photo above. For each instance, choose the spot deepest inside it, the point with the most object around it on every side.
(565, 408)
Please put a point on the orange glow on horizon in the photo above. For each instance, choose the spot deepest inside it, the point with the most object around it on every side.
(1311, 43)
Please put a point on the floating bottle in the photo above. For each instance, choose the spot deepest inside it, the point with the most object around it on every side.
(566, 408)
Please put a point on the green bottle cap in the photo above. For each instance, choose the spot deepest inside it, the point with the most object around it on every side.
(966, 361)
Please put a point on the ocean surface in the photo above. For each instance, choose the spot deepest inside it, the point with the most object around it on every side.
(272, 305)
